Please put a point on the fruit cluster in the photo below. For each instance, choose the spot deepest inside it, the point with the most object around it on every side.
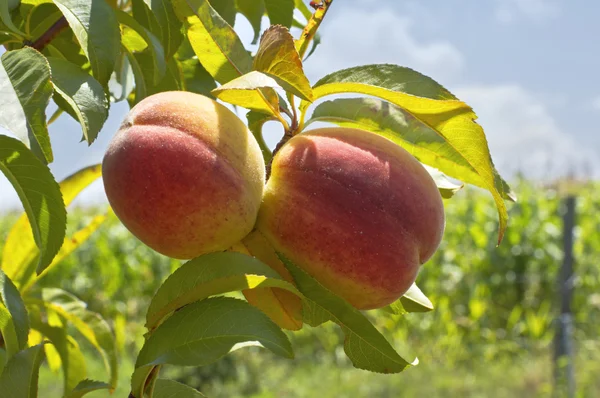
(354, 210)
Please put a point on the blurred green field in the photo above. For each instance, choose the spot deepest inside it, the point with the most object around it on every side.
(489, 336)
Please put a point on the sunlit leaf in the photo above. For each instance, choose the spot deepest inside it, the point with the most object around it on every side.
(14, 320)
(132, 28)
(277, 57)
(20, 253)
(19, 379)
(462, 150)
(97, 31)
(71, 357)
(84, 95)
(203, 332)
(208, 275)
(412, 301)
(90, 324)
(25, 92)
(43, 203)
(363, 344)
(216, 44)
(254, 91)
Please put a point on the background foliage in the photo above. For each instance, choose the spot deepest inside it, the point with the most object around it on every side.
(490, 334)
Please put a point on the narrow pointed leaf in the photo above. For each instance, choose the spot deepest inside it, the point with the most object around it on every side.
(164, 388)
(25, 92)
(8, 332)
(86, 386)
(169, 23)
(97, 31)
(445, 185)
(20, 253)
(226, 9)
(253, 10)
(208, 275)
(6, 19)
(280, 12)
(41, 198)
(71, 357)
(206, 330)
(254, 91)
(90, 324)
(195, 78)
(84, 95)
(19, 378)
(444, 118)
(412, 301)
(216, 44)
(14, 313)
(363, 344)
(277, 57)
(132, 27)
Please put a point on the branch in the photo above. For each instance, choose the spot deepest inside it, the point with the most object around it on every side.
(48, 35)
(313, 24)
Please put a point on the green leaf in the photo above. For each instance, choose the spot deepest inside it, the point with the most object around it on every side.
(209, 275)
(216, 44)
(412, 301)
(253, 10)
(132, 27)
(280, 12)
(71, 357)
(364, 345)
(254, 91)
(203, 332)
(86, 386)
(20, 254)
(256, 121)
(165, 388)
(84, 95)
(3, 359)
(124, 78)
(13, 315)
(97, 31)
(277, 57)
(9, 334)
(41, 18)
(7, 20)
(169, 23)
(226, 9)
(195, 78)
(90, 324)
(26, 91)
(445, 185)
(20, 376)
(41, 198)
(462, 150)
(138, 75)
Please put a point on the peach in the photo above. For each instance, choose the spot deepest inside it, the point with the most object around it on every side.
(184, 175)
(354, 210)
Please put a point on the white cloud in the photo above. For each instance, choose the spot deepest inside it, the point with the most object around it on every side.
(508, 11)
(523, 134)
(356, 36)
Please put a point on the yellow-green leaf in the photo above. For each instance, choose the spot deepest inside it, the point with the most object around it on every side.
(14, 319)
(20, 252)
(254, 91)
(19, 379)
(277, 57)
(216, 44)
(208, 275)
(280, 12)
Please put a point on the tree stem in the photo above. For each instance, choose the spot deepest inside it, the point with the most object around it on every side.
(48, 35)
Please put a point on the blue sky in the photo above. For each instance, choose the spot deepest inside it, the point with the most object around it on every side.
(529, 68)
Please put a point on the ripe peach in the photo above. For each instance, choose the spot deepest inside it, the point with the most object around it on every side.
(184, 175)
(354, 210)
